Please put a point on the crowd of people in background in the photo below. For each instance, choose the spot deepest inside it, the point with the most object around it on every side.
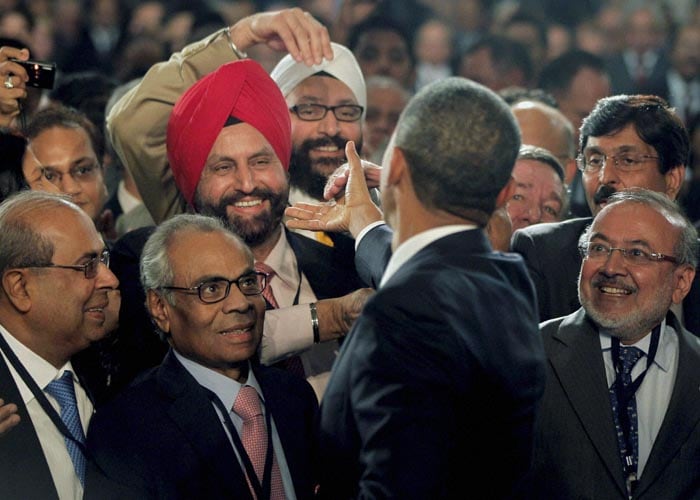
(260, 233)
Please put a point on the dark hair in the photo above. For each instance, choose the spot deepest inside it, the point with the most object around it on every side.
(653, 120)
(557, 75)
(506, 54)
(381, 23)
(62, 116)
(524, 17)
(542, 155)
(12, 147)
(460, 141)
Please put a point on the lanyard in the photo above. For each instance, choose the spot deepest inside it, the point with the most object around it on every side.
(39, 395)
(624, 395)
(262, 491)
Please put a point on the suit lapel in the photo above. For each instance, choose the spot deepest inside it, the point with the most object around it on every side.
(193, 413)
(576, 351)
(683, 411)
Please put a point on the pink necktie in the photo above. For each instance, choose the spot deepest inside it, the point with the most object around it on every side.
(254, 438)
(292, 364)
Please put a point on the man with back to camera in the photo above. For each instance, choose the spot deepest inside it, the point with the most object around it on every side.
(432, 367)
(626, 141)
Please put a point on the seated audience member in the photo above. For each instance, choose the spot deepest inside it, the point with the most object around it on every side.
(626, 141)
(54, 303)
(383, 47)
(540, 193)
(386, 98)
(220, 154)
(619, 416)
(210, 421)
(67, 148)
(496, 62)
(432, 366)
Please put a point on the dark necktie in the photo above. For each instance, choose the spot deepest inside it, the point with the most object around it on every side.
(292, 364)
(629, 447)
(63, 391)
(254, 438)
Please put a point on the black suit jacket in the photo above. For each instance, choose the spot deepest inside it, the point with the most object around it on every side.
(576, 453)
(136, 347)
(434, 391)
(551, 253)
(162, 438)
(24, 472)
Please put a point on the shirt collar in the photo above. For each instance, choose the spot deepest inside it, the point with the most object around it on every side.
(416, 243)
(664, 353)
(224, 387)
(283, 261)
(38, 368)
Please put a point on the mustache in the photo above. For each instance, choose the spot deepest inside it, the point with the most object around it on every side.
(603, 193)
(601, 280)
(335, 140)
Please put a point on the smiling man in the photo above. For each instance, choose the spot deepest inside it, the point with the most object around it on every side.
(326, 103)
(619, 415)
(54, 299)
(183, 428)
(626, 142)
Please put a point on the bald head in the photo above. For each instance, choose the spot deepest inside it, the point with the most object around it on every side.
(546, 127)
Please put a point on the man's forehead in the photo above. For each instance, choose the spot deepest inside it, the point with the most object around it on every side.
(317, 86)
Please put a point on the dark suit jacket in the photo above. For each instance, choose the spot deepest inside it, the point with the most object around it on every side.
(552, 257)
(162, 438)
(24, 472)
(576, 452)
(434, 391)
(136, 347)
(622, 82)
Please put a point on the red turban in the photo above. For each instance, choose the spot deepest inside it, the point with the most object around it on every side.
(241, 89)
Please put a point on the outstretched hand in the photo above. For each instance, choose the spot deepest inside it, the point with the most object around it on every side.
(339, 178)
(293, 30)
(352, 213)
(13, 78)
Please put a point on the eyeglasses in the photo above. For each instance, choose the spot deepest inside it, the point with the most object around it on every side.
(216, 290)
(89, 268)
(637, 256)
(624, 162)
(316, 112)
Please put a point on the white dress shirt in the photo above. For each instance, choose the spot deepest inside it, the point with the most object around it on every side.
(654, 394)
(52, 441)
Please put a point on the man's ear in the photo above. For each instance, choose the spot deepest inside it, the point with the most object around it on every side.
(684, 276)
(397, 167)
(506, 193)
(14, 284)
(674, 181)
(159, 310)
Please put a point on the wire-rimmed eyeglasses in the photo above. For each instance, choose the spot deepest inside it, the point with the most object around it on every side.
(634, 255)
(217, 289)
(89, 268)
(624, 162)
(315, 112)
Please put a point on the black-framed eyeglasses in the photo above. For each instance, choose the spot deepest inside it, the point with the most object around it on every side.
(315, 112)
(217, 289)
(89, 268)
(624, 162)
(637, 256)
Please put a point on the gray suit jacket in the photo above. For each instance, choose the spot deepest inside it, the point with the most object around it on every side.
(576, 452)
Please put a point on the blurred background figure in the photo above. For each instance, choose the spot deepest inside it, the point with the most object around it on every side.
(433, 49)
(386, 98)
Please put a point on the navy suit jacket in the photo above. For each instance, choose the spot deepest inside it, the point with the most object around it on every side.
(162, 438)
(24, 471)
(551, 253)
(435, 389)
(576, 454)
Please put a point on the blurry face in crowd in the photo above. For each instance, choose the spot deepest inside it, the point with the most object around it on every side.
(68, 161)
(539, 194)
(385, 52)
